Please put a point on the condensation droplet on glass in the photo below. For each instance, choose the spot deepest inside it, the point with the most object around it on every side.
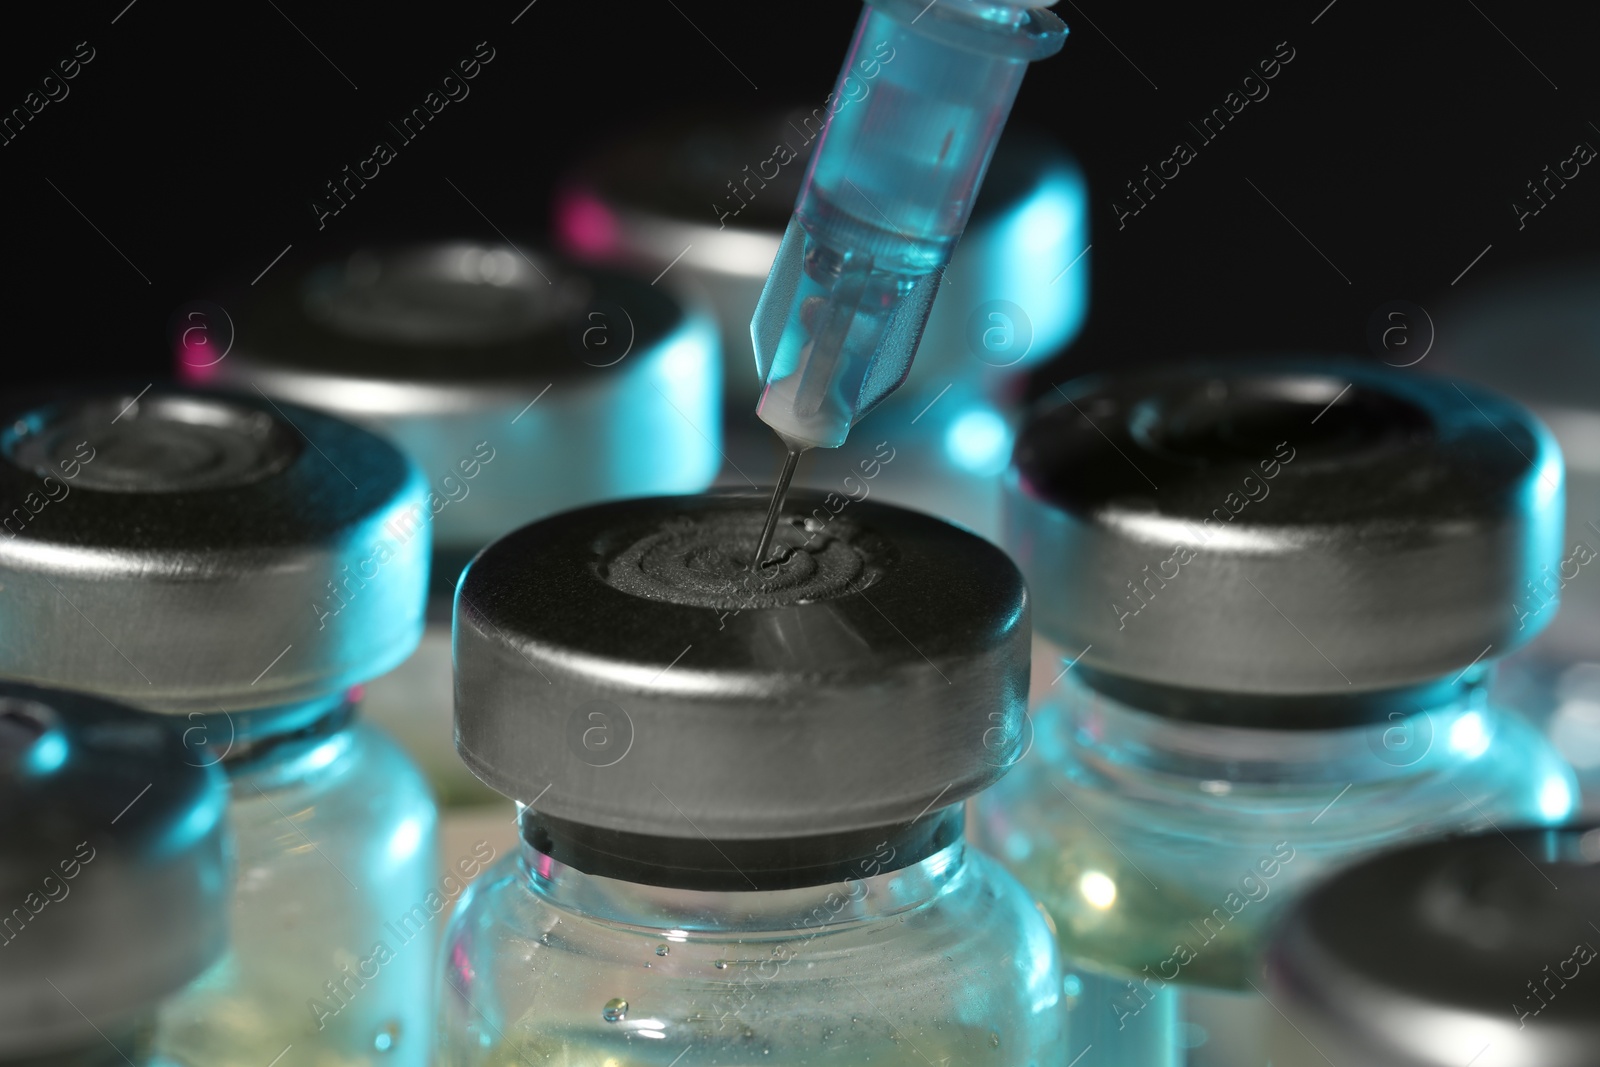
(721, 965)
(994, 1039)
(662, 950)
(615, 1011)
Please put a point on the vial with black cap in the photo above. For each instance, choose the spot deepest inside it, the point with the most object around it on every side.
(520, 384)
(113, 885)
(702, 199)
(1271, 592)
(243, 566)
(742, 793)
(1535, 336)
(1477, 950)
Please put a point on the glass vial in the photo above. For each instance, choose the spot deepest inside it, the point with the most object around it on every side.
(519, 384)
(1473, 950)
(242, 565)
(1272, 592)
(112, 873)
(742, 794)
(1535, 336)
(1008, 300)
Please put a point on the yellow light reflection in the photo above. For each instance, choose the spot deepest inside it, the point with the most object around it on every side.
(1098, 889)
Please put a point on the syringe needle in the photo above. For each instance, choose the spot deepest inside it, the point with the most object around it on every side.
(778, 494)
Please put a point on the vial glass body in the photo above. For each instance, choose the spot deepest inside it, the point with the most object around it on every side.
(1561, 693)
(335, 910)
(946, 960)
(113, 1045)
(1163, 850)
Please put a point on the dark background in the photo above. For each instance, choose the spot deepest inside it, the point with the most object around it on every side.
(195, 140)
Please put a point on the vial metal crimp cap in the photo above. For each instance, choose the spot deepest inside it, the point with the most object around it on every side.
(450, 349)
(183, 551)
(1285, 528)
(1472, 950)
(673, 717)
(111, 869)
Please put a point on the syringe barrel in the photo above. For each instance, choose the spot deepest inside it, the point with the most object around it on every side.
(911, 125)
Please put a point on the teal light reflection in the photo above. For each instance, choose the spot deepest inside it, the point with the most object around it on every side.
(979, 441)
(48, 754)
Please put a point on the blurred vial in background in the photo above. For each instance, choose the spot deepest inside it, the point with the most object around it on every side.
(1270, 594)
(242, 566)
(1536, 338)
(702, 201)
(520, 386)
(742, 795)
(1449, 953)
(113, 888)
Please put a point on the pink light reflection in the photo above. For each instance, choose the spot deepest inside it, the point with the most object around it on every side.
(586, 225)
(462, 966)
(197, 360)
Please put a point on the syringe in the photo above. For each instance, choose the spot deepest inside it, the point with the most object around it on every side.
(912, 121)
